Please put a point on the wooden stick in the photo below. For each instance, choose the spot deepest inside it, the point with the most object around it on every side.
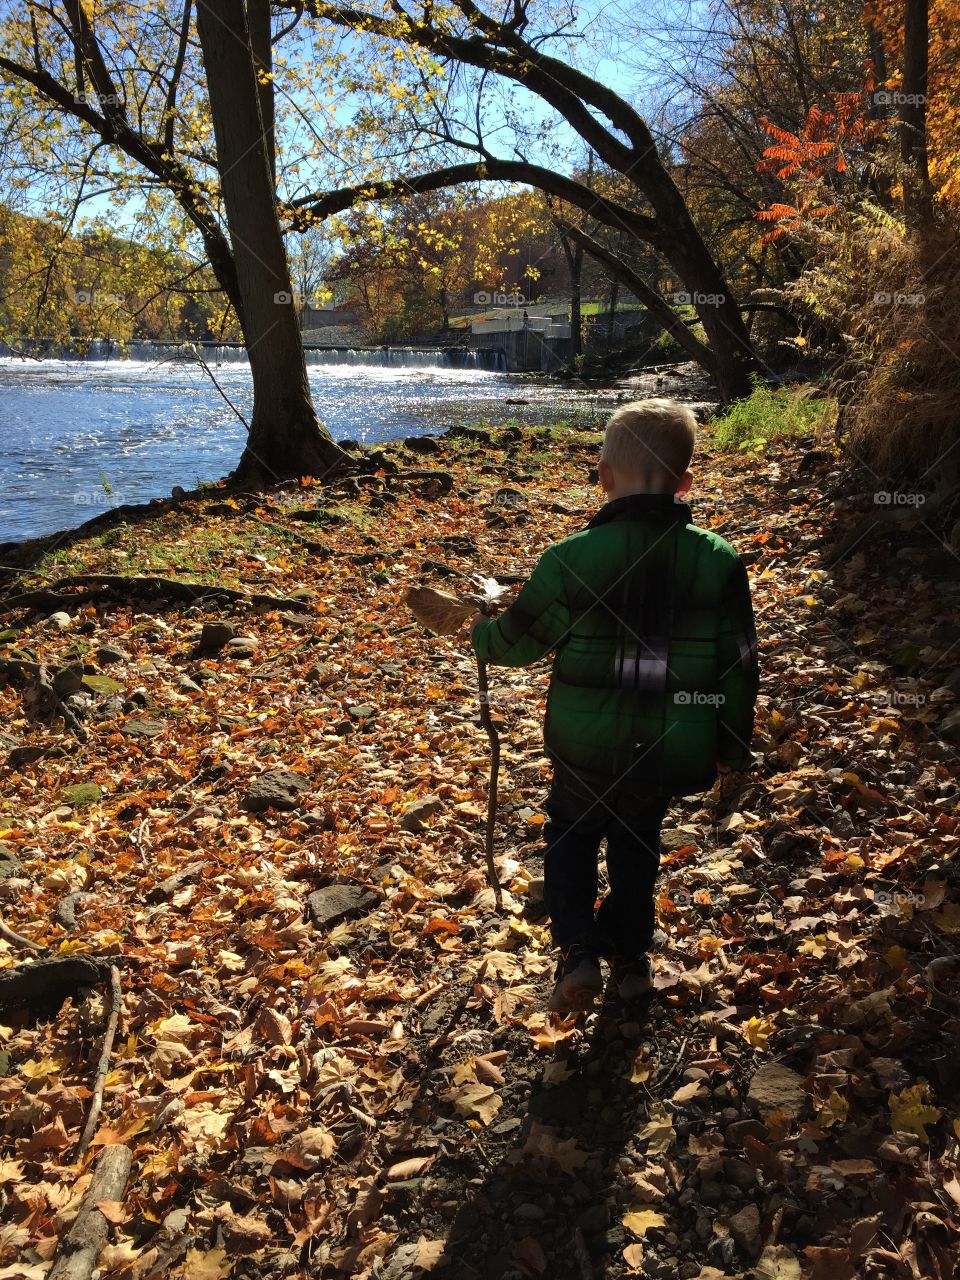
(103, 1066)
(80, 1247)
(494, 737)
(19, 940)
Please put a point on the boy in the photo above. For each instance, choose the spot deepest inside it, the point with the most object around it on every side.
(652, 692)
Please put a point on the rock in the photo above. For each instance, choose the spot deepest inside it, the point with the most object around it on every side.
(337, 902)
(775, 1087)
(423, 444)
(529, 1212)
(596, 1218)
(950, 727)
(413, 815)
(275, 789)
(107, 653)
(178, 491)
(9, 863)
(735, 1133)
(59, 621)
(242, 647)
(214, 635)
(745, 1229)
(20, 756)
(82, 794)
(142, 727)
(68, 679)
(721, 1251)
(343, 727)
(363, 711)
(188, 685)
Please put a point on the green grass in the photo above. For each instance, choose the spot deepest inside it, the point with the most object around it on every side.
(769, 412)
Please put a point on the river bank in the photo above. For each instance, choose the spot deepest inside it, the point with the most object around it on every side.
(333, 1057)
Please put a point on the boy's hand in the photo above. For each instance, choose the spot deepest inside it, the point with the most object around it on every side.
(476, 620)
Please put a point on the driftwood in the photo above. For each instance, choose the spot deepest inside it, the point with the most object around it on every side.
(42, 982)
(81, 1246)
(101, 586)
(103, 1065)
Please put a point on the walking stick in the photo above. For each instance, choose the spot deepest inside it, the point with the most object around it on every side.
(445, 614)
(487, 722)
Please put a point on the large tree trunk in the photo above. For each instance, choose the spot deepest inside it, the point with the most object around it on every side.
(917, 192)
(286, 439)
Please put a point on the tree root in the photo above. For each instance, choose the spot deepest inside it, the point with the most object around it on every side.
(18, 940)
(47, 703)
(103, 1065)
(81, 1246)
(102, 586)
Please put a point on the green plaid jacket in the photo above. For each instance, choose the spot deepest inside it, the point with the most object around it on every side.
(655, 671)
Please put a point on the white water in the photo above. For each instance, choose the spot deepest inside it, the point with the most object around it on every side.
(79, 436)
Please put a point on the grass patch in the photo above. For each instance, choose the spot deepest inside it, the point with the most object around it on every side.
(769, 412)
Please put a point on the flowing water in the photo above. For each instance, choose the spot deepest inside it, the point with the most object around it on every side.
(78, 436)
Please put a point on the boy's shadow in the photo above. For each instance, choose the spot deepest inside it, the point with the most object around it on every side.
(546, 1204)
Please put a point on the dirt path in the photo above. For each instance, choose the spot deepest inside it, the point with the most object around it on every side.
(369, 1087)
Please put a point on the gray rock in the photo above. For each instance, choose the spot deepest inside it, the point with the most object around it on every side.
(529, 1212)
(735, 1133)
(68, 679)
(363, 711)
(141, 727)
(596, 1218)
(242, 647)
(9, 863)
(413, 815)
(950, 727)
(422, 444)
(107, 653)
(59, 621)
(214, 635)
(20, 756)
(188, 685)
(336, 902)
(275, 789)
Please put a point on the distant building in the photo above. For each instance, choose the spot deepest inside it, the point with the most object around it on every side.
(327, 316)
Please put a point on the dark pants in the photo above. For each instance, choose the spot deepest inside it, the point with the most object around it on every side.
(578, 818)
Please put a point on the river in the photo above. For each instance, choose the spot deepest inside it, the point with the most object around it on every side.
(79, 436)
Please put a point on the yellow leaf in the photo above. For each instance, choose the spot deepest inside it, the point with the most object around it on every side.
(834, 1110)
(896, 958)
(757, 1031)
(909, 1113)
(212, 1265)
(640, 1220)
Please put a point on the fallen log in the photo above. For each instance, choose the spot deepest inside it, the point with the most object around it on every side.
(81, 1246)
(41, 982)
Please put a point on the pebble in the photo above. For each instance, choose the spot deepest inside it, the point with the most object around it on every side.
(529, 1212)
(59, 621)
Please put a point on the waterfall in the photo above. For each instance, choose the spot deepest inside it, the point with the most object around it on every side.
(488, 359)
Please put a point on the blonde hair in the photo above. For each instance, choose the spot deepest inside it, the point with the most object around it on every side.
(650, 441)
